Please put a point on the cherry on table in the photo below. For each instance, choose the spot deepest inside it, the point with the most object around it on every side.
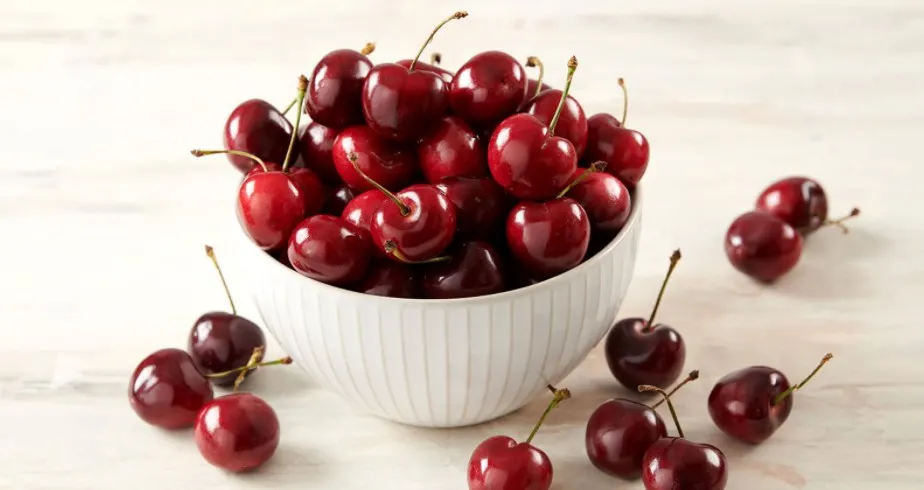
(432, 67)
(391, 279)
(338, 200)
(330, 249)
(474, 269)
(166, 390)
(258, 128)
(605, 199)
(451, 149)
(762, 246)
(802, 203)
(334, 96)
(238, 432)
(640, 352)
(488, 88)
(390, 164)
(752, 403)
(571, 123)
(316, 142)
(625, 151)
(481, 206)
(536, 85)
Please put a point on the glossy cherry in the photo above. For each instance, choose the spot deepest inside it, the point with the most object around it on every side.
(534, 86)
(166, 389)
(451, 149)
(762, 246)
(673, 463)
(481, 206)
(404, 103)
(527, 159)
(390, 164)
(605, 199)
(501, 463)
(572, 123)
(311, 188)
(625, 151)
(316, 142)
(389, 278)
(338, 200)
(473, 270)
(488, 88)
(237, 432)
(360, 210)
(432, 67)
(619, 431)
(801, 202)
(752, 403)
(330, 249)
(258, 128)
(640, 352)
(334, 96)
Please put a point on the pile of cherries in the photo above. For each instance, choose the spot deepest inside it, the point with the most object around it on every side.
(413, 181)
(172, 389)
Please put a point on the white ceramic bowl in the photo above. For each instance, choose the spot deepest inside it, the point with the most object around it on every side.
(444, 363)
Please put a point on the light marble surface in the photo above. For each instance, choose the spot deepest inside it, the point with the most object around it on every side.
(103, 216)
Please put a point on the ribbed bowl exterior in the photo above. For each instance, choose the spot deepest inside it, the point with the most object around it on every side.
(444, 363)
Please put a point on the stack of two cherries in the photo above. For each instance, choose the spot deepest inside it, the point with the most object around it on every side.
(413, 181)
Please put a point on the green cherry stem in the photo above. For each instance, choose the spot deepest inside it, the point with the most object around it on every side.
(840, 221)
(202, 153)
(782, 396)
(458, 15)
(572, 66)
(670, 406)
(300, 100)
(594, 167)
(404, 208)
(558, 396)
(391, 248)
(290, 106)
(675, 257)
(693, 376)
(534, 62)
(211, 253)
(625, 102)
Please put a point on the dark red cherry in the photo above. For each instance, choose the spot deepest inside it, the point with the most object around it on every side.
(317, 146)
(391, 164)
(334, 96)
(237, 432)
(451, 149)
(166, 389)
(474, 269)
(338, 199)
(625, 151)
(762, 246)
(481, 206)
(801, 202)
(605, 199)
(488, 88)
(548, 238)
(258, 128)
(360, 210)
(572, 123)
(330, 249)
(416, 226)
(432, 67)
(389, 278)
(311, 188)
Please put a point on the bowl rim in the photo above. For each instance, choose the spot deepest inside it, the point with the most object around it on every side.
(631, 222)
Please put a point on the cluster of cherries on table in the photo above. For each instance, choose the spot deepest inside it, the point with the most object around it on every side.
(413, 181)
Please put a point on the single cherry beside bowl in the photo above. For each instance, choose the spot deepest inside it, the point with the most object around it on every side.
(625, 151)
(258, 128)
(488, 88)
(334, 96)
(801, 202)
(762, 246)
(167, 391)
(238, 432)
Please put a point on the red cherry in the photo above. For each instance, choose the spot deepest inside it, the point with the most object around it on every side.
(390, 164)
(534, 86)
(311, 189)
(360, 210)
(269, 205)
(605, 199)
(572, 123)
(488, 88)
(451, 149)
(481, 206)
(258, 128)
(403, 103)
(329, 249)
(432, 67)
(752, 403)
(166, 389)
(334, 96)
(337, 200)
(389, 278)
(474, 269)
(526, 159)
(801, 202)
(237, 432)
(639, 352)
(625, 151)
(501, 463)
(762, 246)
(317, 150)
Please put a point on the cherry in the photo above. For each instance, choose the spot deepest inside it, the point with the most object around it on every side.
(619, 432)
(488, 88)
(548, 238)
(221, 341)
(639, 352)
(258, 128)
(338, 199)
(752, 403)
(481, 205)
(403, 103)
(501, 463)
(316, 142)
(535, 86)
(389, 278)
(605, 199)
(311, 189)
(673, 463)
(392, 165)
(451, 149)
(432, 67)
(624, 150)
(762, 246)
(360, 210)
(801, 202)
(572, 123)
(473, 270)
(525, 157)
(330, 249)
(237, 432)
(166, 389)
(334, 96)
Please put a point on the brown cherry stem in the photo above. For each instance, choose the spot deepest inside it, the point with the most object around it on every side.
(367, 49)
(404, 208)
(840, 221)
(670, 406)
(302, 88)
(391, 248)
(211, 253)
(202, 153)
(693, 376)
(675, 257)
(436, 59)
(458, 15)
(594, 167)
(782, 396)
(625, 102)
(290, 106)
(558, 396)
(572, 66)
(534, 62)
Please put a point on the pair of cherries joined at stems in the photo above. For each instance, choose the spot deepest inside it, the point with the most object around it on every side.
(172, 389)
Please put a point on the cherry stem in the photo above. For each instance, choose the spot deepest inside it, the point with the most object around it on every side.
(391, 248)
(211, 253)
(458, 15)
(594, 167)
(693, 376)
(302, 88)
(675, 257)
(404, 208)
(670, 406)
(436, 59)
(840, 221)
(782, 396)
(290, 106)
(202, 153)
(534, 62)
(367, 49)
(558, 396)
(625, 101)
(572, 66)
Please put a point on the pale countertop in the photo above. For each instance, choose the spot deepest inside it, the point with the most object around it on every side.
(103, 216)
